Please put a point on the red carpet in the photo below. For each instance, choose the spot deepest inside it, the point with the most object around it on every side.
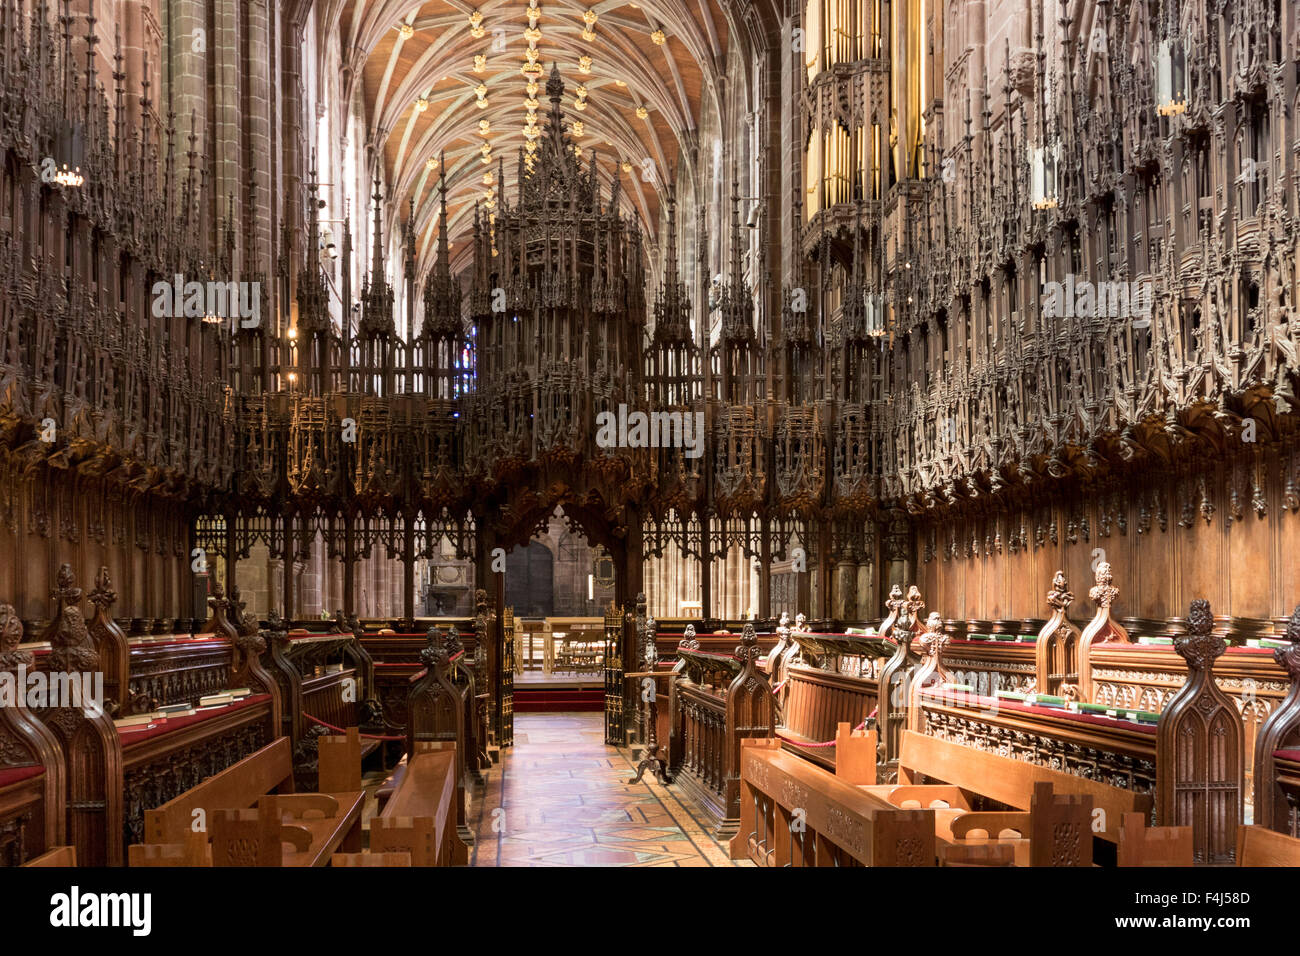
(536, 699)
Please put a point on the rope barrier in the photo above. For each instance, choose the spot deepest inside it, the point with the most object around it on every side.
(340, 730)
(825, 743)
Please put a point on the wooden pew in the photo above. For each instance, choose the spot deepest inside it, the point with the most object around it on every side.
(314, 825)
(235, 788)
(832, 677)
(371, 859)
(1200, 750)
(32, 785)
(1277, 748)
(87, 737)
(58, 856)
(794, 813)
(1260, 846)
(420, 818)
(966, 771)
(1141, 845)
(436, 711)
(339, 762)
(194, 851)
(709, 722)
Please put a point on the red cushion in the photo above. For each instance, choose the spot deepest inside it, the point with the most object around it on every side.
(135, 735)
(1293, 755)
(12, 775)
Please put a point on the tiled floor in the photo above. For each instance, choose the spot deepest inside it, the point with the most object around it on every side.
(560, 797)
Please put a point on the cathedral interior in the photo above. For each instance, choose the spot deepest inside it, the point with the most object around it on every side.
(807, 406)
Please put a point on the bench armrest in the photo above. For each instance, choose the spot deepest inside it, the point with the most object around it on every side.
(991, 822)
(298, 805)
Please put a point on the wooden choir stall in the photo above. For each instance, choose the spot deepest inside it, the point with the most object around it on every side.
(1157, 739)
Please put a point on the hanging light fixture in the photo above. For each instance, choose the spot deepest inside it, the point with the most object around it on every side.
(1171, 79)
(484, 127)
(577, 127)
(1043, 182)
(480, 62)
(69, 178)
(431, 163)
(584, 64)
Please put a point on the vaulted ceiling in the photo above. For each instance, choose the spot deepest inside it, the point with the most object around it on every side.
(655, 71)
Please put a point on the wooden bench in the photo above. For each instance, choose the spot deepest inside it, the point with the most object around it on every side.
(419, 818)
(794, 813)
(315, 825)
(1260, 846)
(319, 823)
(371, 859)
(194, 851)
(59, 856)
(967, 772)
(238, 787)
(1141, 845)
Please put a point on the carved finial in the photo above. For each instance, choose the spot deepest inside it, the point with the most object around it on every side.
(1199, 646)
(555, 84)
(934, 638)
(454, 645)
(11, 635)
(915, 603)
(748, 649)
(689, 640)
(1289, 657)
(66, 589)
(1059, 597)
(1103, 593)
(800, 622)
(435, 651)
(102, 595)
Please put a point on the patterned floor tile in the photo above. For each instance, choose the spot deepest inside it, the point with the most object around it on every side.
(567, 802)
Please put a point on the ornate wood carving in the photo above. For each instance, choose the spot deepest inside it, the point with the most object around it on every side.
(1280, 732)
(1200, 750)
(246, 668)
(1102, 628)
(89, 740)
(896, 681)
(26, 742)
(931, 670)
(436, 707)
(1056, 655)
